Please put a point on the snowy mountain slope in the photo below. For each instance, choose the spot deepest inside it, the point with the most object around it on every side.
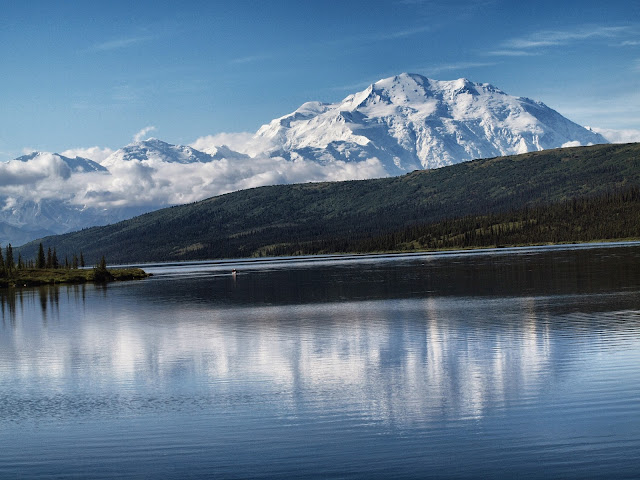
(26, 212)
(154, 150)
(28, 219)
(46, 193)
(410, 122)
(77, 164)
(36, 197)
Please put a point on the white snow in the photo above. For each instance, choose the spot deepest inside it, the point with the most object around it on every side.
(409, 121)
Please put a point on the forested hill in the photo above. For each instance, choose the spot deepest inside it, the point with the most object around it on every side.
(487, 198)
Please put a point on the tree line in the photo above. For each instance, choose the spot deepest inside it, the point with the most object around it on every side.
(613, 215)
(10, 265)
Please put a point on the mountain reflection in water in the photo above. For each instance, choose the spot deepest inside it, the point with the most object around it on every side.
(392, 346)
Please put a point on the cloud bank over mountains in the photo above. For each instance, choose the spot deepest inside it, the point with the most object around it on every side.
(618, 136)
(158, 181)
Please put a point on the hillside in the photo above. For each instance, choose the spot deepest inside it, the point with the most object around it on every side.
(284, 218)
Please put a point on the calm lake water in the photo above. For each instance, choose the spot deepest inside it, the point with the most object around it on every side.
(512, 363)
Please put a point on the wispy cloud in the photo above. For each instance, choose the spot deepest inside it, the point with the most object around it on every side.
(143, 133)
(511, 53)
(251, 58)
(120, 43)
(346, 41)
(615, 110)
(630, 43)
(550, 38)
(409, 32)
(437, 7)
(379, 36)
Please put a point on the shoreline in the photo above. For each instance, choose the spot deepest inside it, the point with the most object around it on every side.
(225, 266)
(32, 277)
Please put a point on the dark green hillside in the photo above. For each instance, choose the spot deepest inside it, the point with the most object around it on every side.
(347, 216)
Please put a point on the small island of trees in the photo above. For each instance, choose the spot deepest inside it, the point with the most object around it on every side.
(48, 269)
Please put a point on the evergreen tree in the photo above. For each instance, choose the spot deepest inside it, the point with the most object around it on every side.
(81, 260)
(100, 272)
(20, 263)
(74, 262)
(9, 260)
(49, 259)
(40, 261)
(54, 259)
(3, 269)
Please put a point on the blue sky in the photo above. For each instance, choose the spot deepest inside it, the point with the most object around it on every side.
(82, 74)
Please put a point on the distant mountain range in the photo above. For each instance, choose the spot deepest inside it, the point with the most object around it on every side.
(394, 126)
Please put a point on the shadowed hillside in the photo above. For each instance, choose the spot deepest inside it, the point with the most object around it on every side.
(346, 216)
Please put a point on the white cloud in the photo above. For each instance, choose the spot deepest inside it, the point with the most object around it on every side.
(403, 33)
(135, 183)
(547, 38)
(119, 43)
(154, 183)
(252, 58)
(574, 143)
(97, 154)
(235, 141)
(143, 133)
(618, 136)
(243, 142)
(511, 53)
(16, 175)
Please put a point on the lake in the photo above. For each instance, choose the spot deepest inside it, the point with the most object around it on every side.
(506, 363)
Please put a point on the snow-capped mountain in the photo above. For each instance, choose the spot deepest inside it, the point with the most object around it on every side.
(156, 150)
(410, 122)
(394, 126)
(77, 164)
(27, 219)
(47, 193)
(34, 201)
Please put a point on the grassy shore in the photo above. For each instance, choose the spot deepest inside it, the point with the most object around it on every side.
(32, 276)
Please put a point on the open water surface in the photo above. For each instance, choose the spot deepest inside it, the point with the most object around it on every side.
(508, 363)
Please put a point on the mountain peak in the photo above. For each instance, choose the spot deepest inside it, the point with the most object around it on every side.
(409, 121)
(76, 164)
(154, 150)
(29, 156)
